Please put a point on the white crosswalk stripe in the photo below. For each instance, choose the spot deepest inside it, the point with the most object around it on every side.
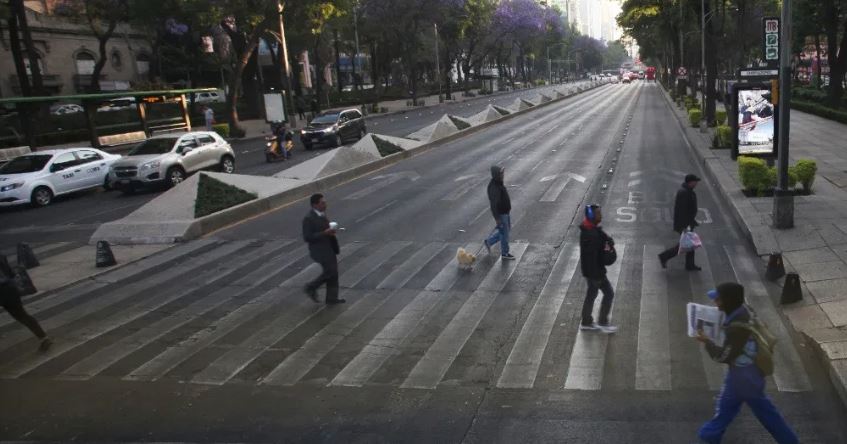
(263, 305)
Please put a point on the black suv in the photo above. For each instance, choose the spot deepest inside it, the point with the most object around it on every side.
(333, 128)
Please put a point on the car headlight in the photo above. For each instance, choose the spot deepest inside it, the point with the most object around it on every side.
(331, 129)
(11, 187)
(150, 165)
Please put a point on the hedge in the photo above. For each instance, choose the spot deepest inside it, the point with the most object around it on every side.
(694, 116)
(756, 177)
(820, 110)
(385, 147)
(214, 195)
(720, 117)
(222, 129)
(806, 169)
(460, 124)
(723, 137)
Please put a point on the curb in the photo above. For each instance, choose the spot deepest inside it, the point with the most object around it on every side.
(205, 225)
(829, 344)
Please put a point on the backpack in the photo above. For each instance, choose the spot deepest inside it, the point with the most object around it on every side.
(765, 342)
(609, 255)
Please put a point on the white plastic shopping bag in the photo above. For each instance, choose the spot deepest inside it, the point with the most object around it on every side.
(689, 241)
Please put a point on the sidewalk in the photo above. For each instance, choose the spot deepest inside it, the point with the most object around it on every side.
(816, 248)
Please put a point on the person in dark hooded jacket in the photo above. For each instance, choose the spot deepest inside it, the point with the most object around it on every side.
(684, 214)
(10, 300)
(592, 241)
(744, 382)
(501, 206)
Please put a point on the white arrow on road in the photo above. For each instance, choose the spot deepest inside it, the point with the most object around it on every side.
(384, 181)
(558, 186)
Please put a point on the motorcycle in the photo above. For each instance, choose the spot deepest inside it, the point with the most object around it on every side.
(273, 151)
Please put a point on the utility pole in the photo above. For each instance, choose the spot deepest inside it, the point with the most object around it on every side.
(287, 83)
(356, 33)
(783, 201)
(549, 66)
(703, 123)
(681, 48)
(437, 63)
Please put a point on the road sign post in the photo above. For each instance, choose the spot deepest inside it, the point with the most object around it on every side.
(783, 201)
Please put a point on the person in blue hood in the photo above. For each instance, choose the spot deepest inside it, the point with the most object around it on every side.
(744, 382)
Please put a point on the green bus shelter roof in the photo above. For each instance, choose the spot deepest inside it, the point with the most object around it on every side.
(104, 96)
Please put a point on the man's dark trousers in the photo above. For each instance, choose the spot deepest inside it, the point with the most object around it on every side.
(595, 285)
(328, 276)
(671, 253)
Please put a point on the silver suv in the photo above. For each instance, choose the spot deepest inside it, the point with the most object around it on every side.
(169, 159)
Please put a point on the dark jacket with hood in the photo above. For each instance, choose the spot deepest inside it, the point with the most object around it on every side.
(684, 209)
(498, 197)
(592, 240)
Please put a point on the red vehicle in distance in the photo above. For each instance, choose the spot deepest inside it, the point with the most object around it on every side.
(651, 73)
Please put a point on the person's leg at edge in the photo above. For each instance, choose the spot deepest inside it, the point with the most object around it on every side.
(669, 254)
(495, 236)
(17, 311)
(772, 420)
(506, 223)
(727, 409)
(606, 303)
(588, 304)
(331, 271)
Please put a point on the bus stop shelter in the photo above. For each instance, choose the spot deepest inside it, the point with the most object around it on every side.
(29, 108)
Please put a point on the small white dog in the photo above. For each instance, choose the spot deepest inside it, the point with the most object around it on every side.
(465, 259)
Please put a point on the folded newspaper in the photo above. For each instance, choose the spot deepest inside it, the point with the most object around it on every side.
(706, 318)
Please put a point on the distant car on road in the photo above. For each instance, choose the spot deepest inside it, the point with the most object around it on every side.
(333, 128)
(169, 159)
(118, 104)
(38, 177)
(209, 97)
(65, 108)
(349, 88)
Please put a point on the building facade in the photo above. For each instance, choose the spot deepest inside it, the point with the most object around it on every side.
(68, 51)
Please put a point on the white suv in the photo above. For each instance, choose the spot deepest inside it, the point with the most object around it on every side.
(169, 159)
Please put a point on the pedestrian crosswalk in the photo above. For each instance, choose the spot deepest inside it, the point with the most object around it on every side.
(217, 312)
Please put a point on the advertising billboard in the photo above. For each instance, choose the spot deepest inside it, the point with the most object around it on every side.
(755, 125)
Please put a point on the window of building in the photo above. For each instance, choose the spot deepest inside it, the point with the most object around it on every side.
(142, 64)
(27, 66)
(117, 60)
(85, 63)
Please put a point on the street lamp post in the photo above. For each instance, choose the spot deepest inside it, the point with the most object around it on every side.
(437, 63)
(703, 123)
(356, 35)
(783, 202)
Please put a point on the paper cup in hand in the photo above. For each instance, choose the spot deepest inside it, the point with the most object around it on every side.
(333, 225)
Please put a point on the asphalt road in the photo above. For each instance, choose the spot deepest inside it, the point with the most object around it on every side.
(75, 218)
(217, 342)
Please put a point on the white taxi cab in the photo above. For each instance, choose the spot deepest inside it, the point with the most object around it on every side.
(38, 177)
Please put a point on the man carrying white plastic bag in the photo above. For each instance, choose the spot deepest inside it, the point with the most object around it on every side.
(684, 214)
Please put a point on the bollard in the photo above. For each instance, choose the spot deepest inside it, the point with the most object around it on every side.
(105, 258)
(23, 282)
(26, 258)
(791, 291)
(776, 268)
(5, 268)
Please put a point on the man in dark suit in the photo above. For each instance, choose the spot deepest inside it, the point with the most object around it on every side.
(323, 248)
(684, 214)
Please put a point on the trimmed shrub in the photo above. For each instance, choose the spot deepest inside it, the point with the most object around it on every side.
(694, 116)
(385, 147)
(214, 195)
(754, 174)
(461, 124)
(723, 137)
(773, 177)
(720, 117)
(805, 170)
(222, 129)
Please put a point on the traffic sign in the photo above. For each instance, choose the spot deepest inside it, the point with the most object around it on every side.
(770, 27)
(681, 72)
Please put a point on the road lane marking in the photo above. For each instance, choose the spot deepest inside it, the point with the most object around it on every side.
(179, 353)
(107, 356)
(432, 367)
(376, 211)
(360, 271)
(558, 186)
(653, 356)
(401, 275)
(145, 305)
(524, 360)
(789, 373)
(588, 357)
(386, 343)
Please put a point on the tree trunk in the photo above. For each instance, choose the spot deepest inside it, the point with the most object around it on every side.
(338, 63)
(17, 55)
(319, 75)
(235, 81)
(711, 70)
(94, 86)
(32, 55)
(831, 27)
(817, 78)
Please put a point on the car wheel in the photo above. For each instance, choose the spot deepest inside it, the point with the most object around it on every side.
(228, 165)
(41, 196)
(175, 176)
(338, 141)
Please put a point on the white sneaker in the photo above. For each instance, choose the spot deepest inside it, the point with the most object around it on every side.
(608, 329)
(592, 327)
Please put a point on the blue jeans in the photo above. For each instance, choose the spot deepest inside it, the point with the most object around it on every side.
(501, 235)
(746, 385)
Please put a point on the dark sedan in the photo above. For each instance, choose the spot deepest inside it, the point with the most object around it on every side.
(333, 128)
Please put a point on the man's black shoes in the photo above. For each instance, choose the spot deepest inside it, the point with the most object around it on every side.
(336, 301)
(663, 261)
(693, 268)
(312, 293)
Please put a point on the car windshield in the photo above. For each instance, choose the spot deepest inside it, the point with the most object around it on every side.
(26, 164)
(326, 118)
(154, 146)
